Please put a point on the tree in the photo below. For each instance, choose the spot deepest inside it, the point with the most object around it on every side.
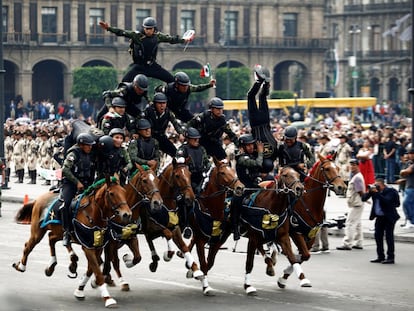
(240, 82)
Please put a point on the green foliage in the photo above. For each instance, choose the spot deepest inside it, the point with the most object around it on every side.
(240, 82)
(281, 94)
(90, 82)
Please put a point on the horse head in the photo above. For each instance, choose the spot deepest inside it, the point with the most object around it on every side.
(226, 177)
(289, 182)
(181, 180)
(114, 198)
(145, 184)
(328, 173)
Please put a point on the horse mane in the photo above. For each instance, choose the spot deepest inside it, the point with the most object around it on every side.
(162, 169)
(313, 169)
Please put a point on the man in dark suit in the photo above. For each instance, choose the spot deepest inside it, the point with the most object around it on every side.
(385, 201)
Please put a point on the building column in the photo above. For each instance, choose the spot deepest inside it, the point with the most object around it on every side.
(24, 84)
(67, 86)
(74, 22)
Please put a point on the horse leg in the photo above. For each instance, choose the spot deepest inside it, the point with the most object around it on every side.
(200, 245)
(168, 255)
(252, 245)
(133, 245)
(110, 255)
(270, 260)
(73, 262)
(155, 258)
(36, 236)
(79, 292)
(53, 238)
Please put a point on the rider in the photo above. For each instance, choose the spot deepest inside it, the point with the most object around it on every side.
(134, 93)
(78, 174)
(294, 153)
(118, 118)
(212, 124)
(177, 93)
(248, 166)
(143, 49)
(145, 149)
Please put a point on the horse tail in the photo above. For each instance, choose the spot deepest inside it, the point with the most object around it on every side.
(24, 214)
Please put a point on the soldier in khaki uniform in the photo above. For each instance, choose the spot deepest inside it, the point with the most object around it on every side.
(8, 150)
(2, 179)
(19, 150)
(32, 149)
(343, 156)
(45, 149)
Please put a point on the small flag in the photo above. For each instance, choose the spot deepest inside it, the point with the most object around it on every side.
(205, 71)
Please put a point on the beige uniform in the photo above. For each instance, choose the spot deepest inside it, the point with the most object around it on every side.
(343, 155)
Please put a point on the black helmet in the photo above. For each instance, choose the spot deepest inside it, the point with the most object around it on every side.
(106, 143)
(192, 133)
(115, 131)
(160, 98)
(141, 81)
(216, 102)
(246, 139)
(182, 78)
(85, 139)
(143, 124)
(291, 132)
(118, 102)
(149, 22)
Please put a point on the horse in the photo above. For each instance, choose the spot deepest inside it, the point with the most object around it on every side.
(164, 221)
(142, 190)
(308, 213)
(208, 219)
(265, 215)
(94, 210)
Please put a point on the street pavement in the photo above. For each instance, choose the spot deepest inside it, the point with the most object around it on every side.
(335, 207)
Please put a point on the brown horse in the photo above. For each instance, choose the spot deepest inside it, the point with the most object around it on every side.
(142, 190)
(208, 220)
(94, 210)
(266, 218)
(164, 221)
(308, 213)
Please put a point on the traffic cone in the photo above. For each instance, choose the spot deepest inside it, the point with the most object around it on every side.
(25, 199)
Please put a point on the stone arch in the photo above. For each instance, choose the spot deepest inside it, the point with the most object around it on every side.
(97, 62)
(290, 75)
(374, 85)
(10, 83)
(187, 64)
(393, 88)
(48, 80)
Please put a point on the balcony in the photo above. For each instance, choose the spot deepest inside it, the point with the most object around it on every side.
(378, 7)
(19, 38)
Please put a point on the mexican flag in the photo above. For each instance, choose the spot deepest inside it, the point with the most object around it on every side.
(205, 71)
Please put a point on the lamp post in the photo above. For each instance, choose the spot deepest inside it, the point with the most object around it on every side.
(353, 31)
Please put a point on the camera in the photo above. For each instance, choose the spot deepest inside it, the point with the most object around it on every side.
(373, 187)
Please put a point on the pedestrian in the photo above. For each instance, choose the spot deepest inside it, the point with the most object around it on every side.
(353, 226)
(212, 124)
(390, 151)
(178, 92)
(2, 178)
(321, 239)
(143, 49)
(343, 155)
(408, 202)
(385, 201)
(366, 166)
(78, 175)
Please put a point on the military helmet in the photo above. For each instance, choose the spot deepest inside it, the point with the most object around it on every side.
(106, 143)
(160, 98)
(192, 133)
(246, 139)
(118, 102)
(85, 139)
(141, 81)
(216, 102)
(143, 124)
(182, 78)
(115, 131)
(149, 22)
(291, 132)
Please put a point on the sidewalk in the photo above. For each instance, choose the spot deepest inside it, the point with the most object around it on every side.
(335, 207)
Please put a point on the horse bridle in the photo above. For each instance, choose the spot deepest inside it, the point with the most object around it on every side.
(288, 188)
(181, 190)
(328, 182)
(146, 197)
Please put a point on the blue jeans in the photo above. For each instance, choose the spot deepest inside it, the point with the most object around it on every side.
(408, 204)
(390, 165)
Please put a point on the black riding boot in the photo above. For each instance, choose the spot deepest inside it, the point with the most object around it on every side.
(235, 216)
(20, 176)
(183, 214)
(6, 179)
(65, 213)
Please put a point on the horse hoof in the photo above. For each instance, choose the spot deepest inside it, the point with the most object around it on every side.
(110, 303)
(153, 266)
(168, 255)
(189, 274)
(125, 287)
(251, 291)
(270, 271)
(281, 282)
(17, 267)
(79, 294)
(208, 291)
(93, 284)
(73, 267)
(128, 260)
(109, 281)
(305, 283)
(198, 274)
(180, 254)
(49, 271)
(72, 275)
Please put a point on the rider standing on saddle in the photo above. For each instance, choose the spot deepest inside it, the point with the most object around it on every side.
(134, 93)
(78, 174)
(294, 153)
(177, 93)
(143, 49)
(113, 158)
(118, 118)
(259, 117)
(159, 116)
(248, 167)
(212, 124)
(145, 149)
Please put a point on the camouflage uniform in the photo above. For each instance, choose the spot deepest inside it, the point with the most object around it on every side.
(142, 150)
(113, 120)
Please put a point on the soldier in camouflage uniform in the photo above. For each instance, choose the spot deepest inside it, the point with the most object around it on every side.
(45, 153)
(19, 151)
(118, 118)
(2, 179)
(32, 149)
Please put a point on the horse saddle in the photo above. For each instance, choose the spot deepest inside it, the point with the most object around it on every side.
(164, 217)
(210, 227)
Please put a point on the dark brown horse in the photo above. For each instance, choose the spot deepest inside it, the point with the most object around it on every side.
(93, 213)
(142, 190)
(209, 222)
(265, 214)
(308, 213)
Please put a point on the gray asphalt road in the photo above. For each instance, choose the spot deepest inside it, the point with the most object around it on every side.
(341, 280)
